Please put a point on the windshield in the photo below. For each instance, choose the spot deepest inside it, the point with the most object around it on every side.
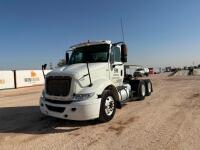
(91, 54)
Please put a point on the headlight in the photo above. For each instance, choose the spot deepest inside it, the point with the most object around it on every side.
(82, 97)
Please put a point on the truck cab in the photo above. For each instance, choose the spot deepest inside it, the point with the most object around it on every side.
(91, 84)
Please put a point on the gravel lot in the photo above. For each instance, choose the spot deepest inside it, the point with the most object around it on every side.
(168, 119)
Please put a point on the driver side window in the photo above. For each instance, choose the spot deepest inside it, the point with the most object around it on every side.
(115, 54)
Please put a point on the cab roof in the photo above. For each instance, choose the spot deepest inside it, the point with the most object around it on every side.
(90, 43)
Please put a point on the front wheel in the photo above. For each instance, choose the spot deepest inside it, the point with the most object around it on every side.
(108, 106)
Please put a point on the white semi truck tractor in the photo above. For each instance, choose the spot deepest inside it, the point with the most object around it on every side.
(91, 85)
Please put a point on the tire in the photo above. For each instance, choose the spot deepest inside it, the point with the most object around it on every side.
(108, 106)
(148, 86)
(141, 90)
(134, 87)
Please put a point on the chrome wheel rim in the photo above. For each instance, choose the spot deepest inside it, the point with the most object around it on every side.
(149, 87)
(143, 90)
(109, 106)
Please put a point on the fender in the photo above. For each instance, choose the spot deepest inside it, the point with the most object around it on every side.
(99, 86)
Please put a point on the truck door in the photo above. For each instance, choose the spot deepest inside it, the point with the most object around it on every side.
(116, 66)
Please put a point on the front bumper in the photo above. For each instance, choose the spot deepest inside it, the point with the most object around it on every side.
(83, 110)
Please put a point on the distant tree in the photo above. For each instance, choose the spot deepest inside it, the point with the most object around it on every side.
(61, 63)
(199, 66)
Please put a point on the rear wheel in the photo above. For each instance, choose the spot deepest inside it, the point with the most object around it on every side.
(141, 90)
(108, 106)
(148, 87)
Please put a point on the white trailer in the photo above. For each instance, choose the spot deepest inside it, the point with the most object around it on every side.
(91, 85)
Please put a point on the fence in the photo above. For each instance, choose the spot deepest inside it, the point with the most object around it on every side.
(21, 78)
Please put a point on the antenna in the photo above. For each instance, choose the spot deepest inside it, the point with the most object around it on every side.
(122, 28)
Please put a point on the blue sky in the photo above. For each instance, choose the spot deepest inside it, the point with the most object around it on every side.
(158, 32)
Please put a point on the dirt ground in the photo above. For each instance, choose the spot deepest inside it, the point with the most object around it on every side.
(168, 119)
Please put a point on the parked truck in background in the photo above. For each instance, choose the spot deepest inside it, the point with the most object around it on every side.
(91, 85)
(140, 72)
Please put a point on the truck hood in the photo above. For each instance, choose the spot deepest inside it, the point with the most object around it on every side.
(78, 70)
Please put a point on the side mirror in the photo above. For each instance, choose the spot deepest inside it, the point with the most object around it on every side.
(44, 67)
(124, 53)
(67, 58)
